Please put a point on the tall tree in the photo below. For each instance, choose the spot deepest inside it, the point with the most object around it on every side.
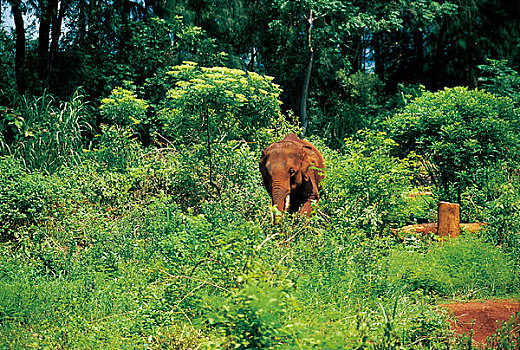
(16, 8)
(47, 9)
(405, 52)
(51, 15)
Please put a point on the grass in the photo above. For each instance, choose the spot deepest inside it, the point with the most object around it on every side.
(126, 263)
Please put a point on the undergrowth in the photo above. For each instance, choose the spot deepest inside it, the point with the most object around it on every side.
(113, 245)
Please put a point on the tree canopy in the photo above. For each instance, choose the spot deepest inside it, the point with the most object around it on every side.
(338, 63)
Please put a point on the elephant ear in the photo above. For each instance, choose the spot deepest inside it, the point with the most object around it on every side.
(264, 172)
(309, 161)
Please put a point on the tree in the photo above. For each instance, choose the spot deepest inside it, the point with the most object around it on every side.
(461, 135)
(211, 105)
(404, 49)
(16, 8)
(52, 13)
(457, 44)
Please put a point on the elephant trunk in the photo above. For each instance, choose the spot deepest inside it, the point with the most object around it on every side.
(281, 200)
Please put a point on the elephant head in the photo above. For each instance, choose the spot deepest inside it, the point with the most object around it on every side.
(292, 170)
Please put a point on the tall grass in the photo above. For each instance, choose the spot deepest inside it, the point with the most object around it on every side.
(48, 134)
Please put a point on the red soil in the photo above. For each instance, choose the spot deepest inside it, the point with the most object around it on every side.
(484, 317)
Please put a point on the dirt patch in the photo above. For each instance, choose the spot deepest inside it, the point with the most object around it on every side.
(484, 317)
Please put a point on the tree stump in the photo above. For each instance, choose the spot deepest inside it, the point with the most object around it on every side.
(448, 220)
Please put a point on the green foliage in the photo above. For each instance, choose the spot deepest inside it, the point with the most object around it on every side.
(171, 247)
(507, 335)
(83, 308)
(252, 318)
(498, 78)
(206, 105)
(135, 263)
(460, 135)
(116, 148)
(365, 186)
(44, 136)
(466, 266)
(355, 106)
(197, 176)
(123, 108)
(502, 216)
(6, 65)
(27, 199)
(155, 43)
(22, 201)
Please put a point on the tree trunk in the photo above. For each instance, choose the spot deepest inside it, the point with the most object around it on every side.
(82, 21)
(438, 72)
(94, 23)
(48, 12)
(307, 79)
(470, 69)
(19, 61)
(251, 64)
(379, 63)
(156, 7)
(56, 33)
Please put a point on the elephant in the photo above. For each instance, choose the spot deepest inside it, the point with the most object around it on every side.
(292, 170)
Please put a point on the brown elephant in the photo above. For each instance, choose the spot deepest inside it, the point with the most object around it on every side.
(292, 170)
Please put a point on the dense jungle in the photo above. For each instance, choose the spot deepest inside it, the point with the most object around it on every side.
(132, 209)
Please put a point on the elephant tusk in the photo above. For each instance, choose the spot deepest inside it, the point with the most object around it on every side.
(287, 202)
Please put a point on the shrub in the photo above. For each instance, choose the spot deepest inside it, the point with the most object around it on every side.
(458, 133)
(466, 265)
(206, 105)
(116, 148)
(26, 198)
(507, 335)
(496, 77)
(365, 185)
(101, 186)
(198, 176)
(123, 108)
(503, 217)
(356, 105)
(251, 318)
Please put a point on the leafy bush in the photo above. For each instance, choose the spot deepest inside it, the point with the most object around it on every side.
(458, 133)
(199, 176)
(206, 105)
(100, 187)
(82, 309)
(171, 247)
(251, 318)
(499, 79)
(123, 108)
(355, 105)
(6, 64)
(155, 43)
(507, 336)
(365, 186)
(503, 219)
(466, 265)
(26, 198)
(116, 148)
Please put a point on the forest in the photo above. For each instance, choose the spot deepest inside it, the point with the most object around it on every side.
(132, 209)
